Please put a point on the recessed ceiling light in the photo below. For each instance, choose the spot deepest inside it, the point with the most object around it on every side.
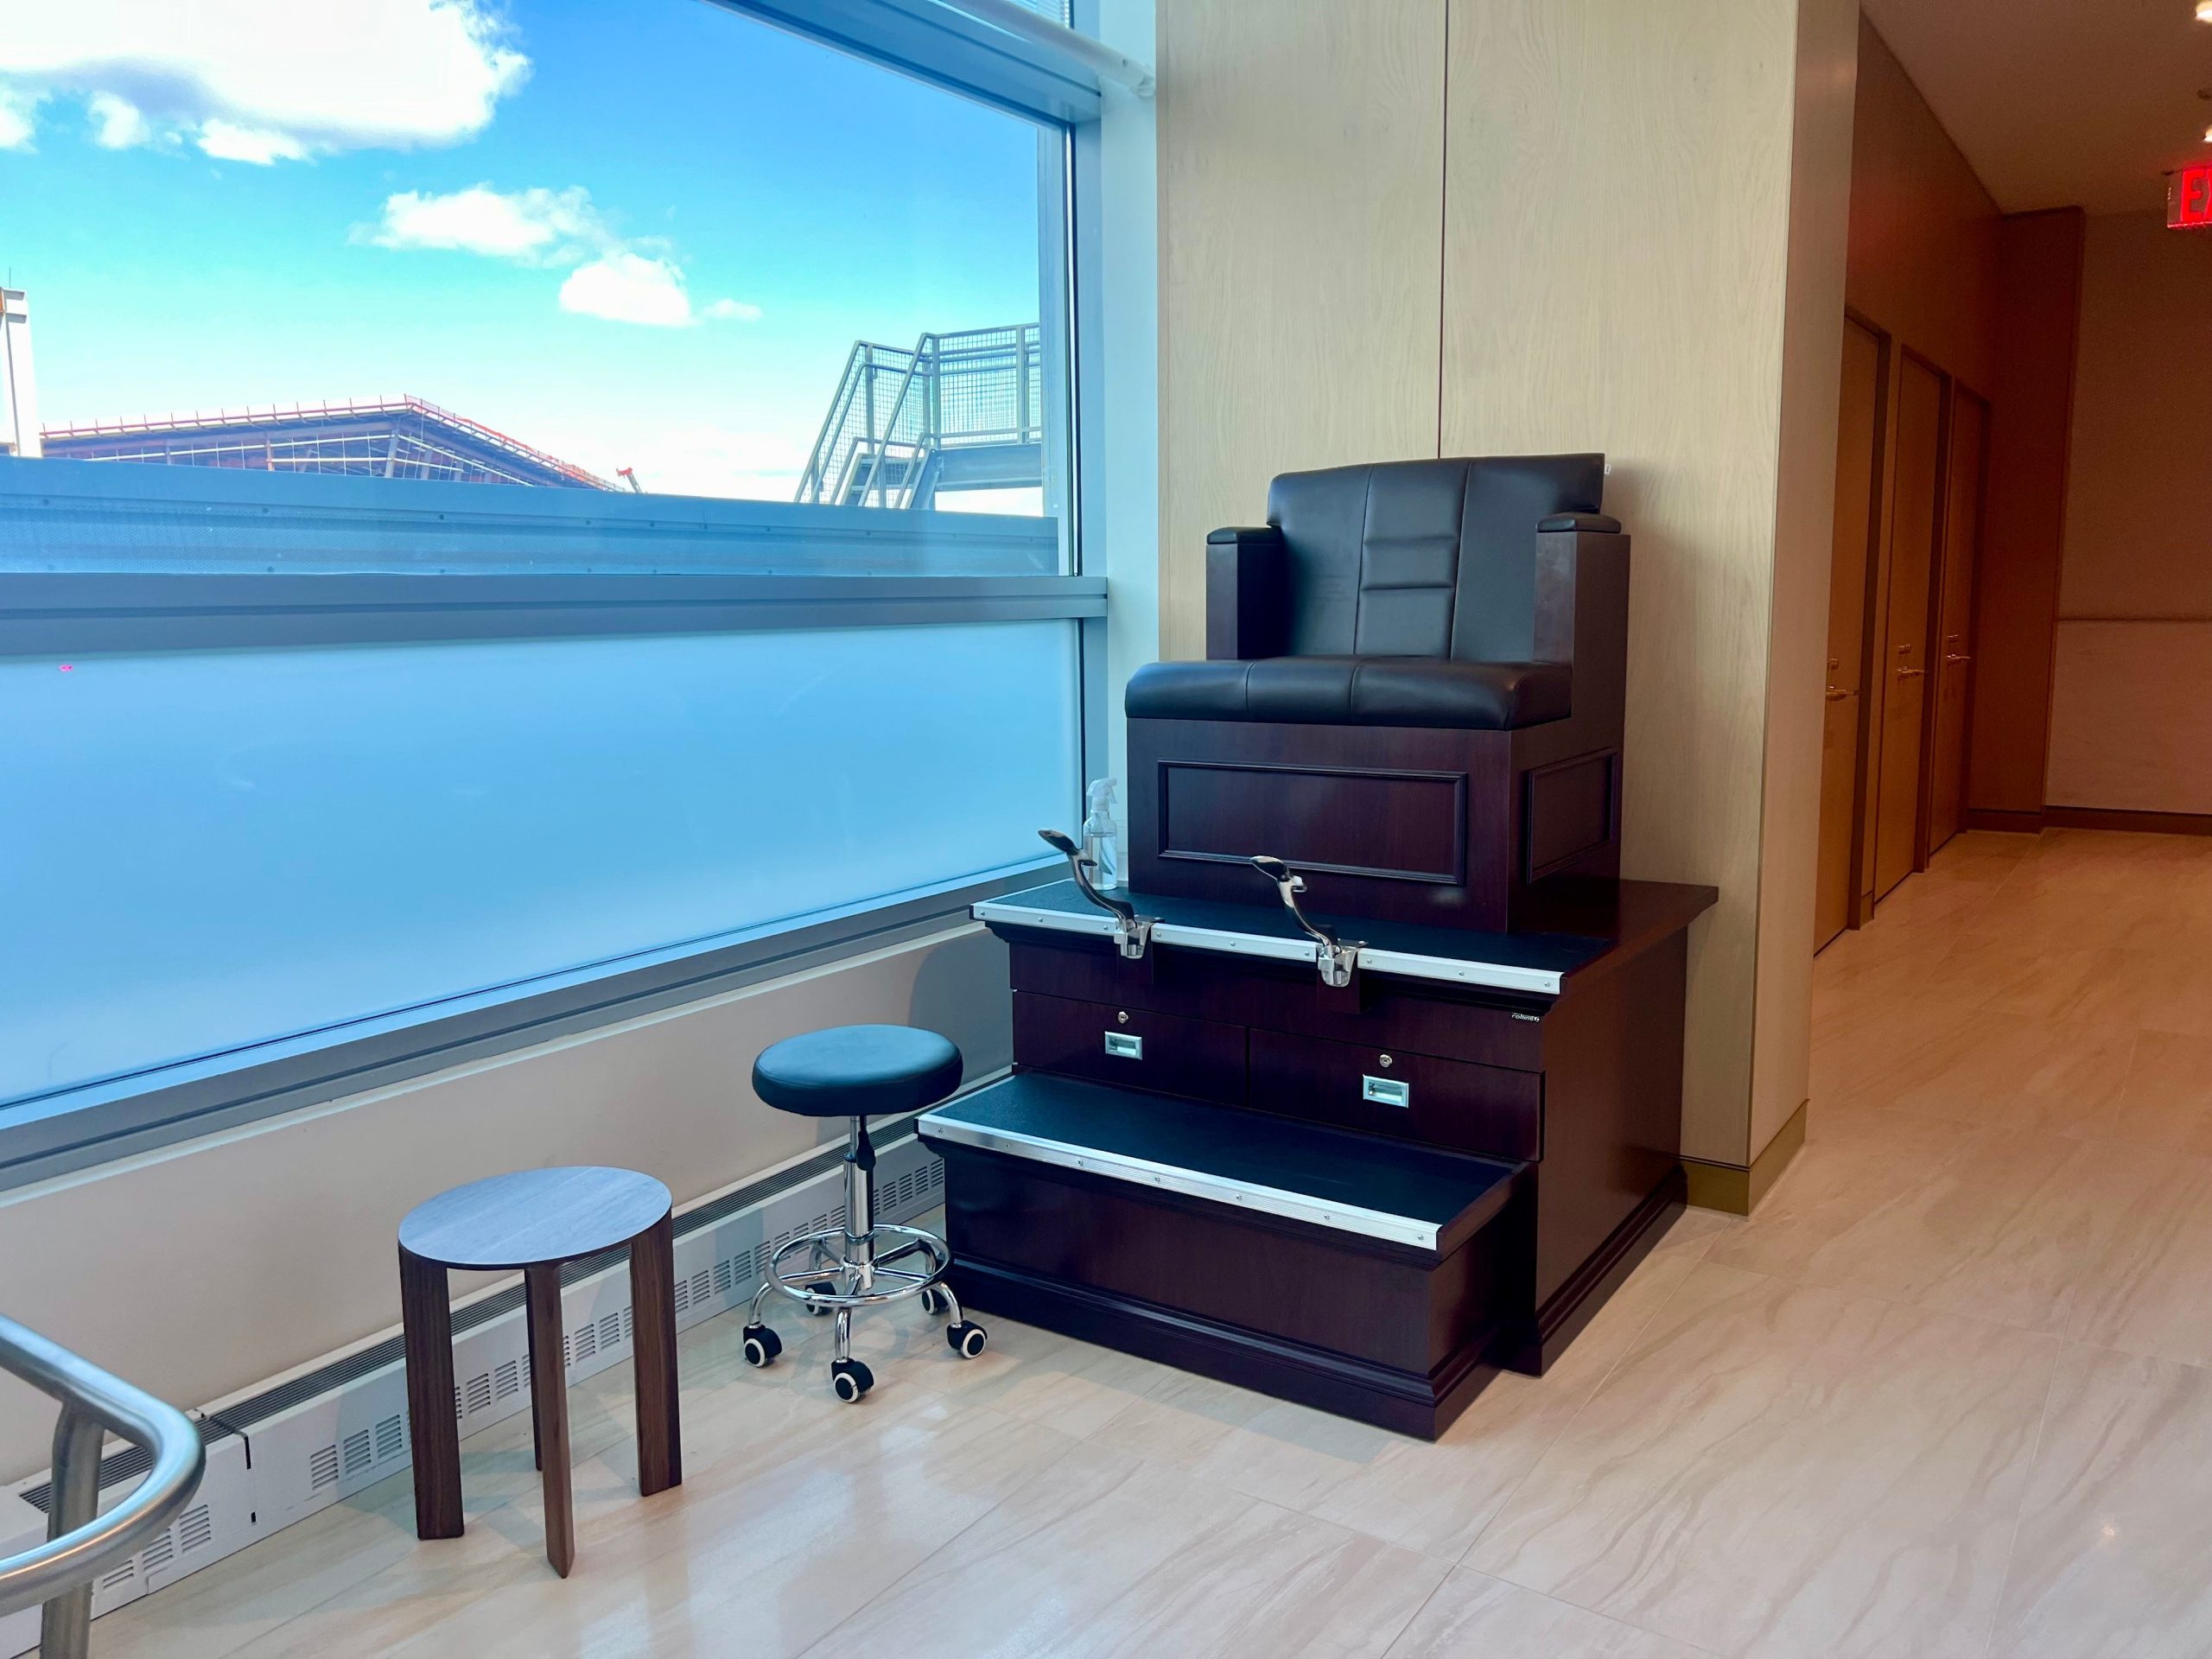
(2204, 11)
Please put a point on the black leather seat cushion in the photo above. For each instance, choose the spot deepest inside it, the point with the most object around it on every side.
(1355, 691)
(857, 1072)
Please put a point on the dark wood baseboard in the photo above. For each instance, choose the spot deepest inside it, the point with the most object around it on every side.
(2017, 823)
(2155, 824)
(1400, 1400)
(1575, 1303)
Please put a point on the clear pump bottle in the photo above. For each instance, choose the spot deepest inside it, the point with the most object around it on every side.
(1102, 836)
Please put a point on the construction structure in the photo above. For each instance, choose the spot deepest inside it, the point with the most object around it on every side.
(956, 412)
(398, 437)
(19, 434)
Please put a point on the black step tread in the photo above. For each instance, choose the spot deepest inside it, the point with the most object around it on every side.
(1451, 1193)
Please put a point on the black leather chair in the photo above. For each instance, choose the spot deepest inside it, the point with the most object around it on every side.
(1412, 693)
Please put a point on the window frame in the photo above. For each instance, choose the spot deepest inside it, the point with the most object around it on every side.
(535, 583)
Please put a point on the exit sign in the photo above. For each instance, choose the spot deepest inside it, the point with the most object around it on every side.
(2189, 198)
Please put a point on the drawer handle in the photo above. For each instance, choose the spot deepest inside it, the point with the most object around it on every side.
(1122, 1046)
(1387, 1091)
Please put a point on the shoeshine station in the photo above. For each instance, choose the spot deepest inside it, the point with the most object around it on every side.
(1367, 1082)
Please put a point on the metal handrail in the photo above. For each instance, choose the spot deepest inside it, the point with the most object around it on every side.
(82, 1543)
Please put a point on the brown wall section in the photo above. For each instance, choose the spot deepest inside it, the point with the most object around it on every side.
(1924, 260)
(2038, 317)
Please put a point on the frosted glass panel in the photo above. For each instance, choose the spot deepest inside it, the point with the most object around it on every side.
(200, 852)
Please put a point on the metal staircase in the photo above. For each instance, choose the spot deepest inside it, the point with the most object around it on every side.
(960, 411)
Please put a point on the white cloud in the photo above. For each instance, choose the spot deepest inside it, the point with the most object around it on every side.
(117, 123)
(228, 142)
(263, 80)
(18, 117)
(528, 225)
(615, 278)
(624, 287)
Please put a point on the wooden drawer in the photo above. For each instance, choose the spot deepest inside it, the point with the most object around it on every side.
(1131, 1047)
(1457, 1103)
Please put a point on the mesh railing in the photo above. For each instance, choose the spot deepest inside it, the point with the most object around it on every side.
(897, 408)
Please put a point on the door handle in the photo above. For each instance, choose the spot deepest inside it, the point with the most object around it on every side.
(1837, 694)
(1953, 657)
(1124, 1046)
(1910, 673)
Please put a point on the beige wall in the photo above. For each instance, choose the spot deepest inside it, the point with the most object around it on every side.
(1812, 373)
(2131, 698)
(1301, 164)
(1619, 272)
(203, 1268)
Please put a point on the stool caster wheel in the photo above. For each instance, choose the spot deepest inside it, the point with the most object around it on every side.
(761, 1346)
(820, 1288)
(851, 1379)
(936, 1302)
(966, 1339)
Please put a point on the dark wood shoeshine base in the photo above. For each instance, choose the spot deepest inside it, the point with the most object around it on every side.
(1557, 1118)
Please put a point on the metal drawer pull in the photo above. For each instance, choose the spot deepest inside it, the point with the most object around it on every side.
(1124, 1046)
(1387, 1091)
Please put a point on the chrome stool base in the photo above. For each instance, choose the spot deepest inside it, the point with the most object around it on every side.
(849, 1267)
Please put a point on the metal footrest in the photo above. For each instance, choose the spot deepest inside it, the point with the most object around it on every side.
(858, 1277)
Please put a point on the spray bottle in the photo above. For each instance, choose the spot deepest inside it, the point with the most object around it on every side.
(1102, 842)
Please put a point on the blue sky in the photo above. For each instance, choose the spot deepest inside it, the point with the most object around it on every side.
(641, 235)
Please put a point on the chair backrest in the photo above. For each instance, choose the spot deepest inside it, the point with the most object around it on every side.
(1423, 558)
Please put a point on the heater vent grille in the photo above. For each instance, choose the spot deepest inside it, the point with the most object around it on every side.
(322, 1467)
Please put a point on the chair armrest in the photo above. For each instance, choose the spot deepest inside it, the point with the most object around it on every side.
(1582, 562)
(1248, 593)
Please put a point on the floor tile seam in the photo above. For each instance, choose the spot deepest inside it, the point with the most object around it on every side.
(985, 1514)
(1505, 1499)
(2020, 1504)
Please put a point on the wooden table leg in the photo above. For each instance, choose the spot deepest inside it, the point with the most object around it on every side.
(548, 1401)
(537, 1440)
(652, 1325)
(428, 1321)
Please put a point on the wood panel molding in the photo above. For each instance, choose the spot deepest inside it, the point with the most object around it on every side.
(2156, 824)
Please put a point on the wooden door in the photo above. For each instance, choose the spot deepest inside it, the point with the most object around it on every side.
(1857, 445)
(1953, 653)
(1914, 522)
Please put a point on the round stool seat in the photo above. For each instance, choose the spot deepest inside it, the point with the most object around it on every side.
(857, 1072)
(534, 1216)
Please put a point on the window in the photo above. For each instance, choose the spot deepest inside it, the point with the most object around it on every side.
(501, 498)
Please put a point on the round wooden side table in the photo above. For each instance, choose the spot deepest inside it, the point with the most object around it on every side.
(535, 1220)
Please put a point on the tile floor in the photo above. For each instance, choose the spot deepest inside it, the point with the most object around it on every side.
(1949, 1394)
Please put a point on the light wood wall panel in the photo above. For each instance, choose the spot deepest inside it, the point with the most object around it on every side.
(1616, 248)
(2130, 725)
(1812, 364)
(1302, 188)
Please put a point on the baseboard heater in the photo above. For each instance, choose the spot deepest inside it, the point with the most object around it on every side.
(280, 1455)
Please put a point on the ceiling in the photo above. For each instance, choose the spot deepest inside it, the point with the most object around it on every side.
(2060, 102)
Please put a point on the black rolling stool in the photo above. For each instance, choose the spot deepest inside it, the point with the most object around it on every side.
(859, 1072)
